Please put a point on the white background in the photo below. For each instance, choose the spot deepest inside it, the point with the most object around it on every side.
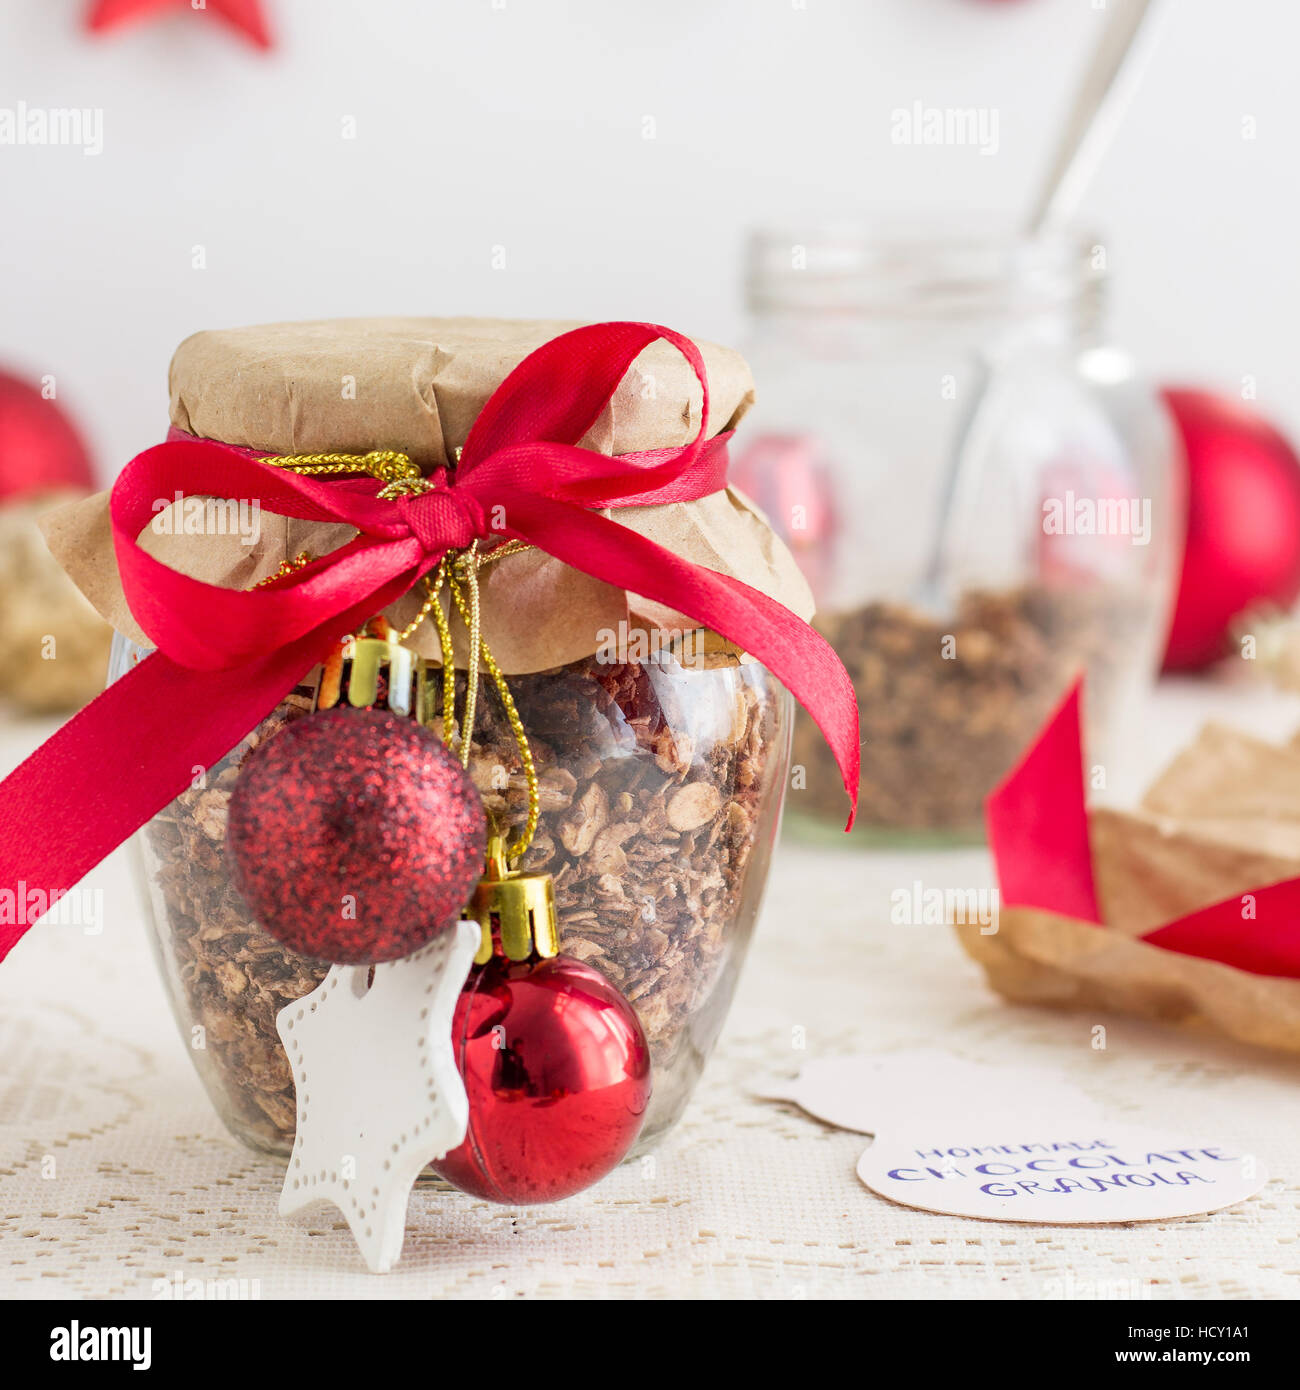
(519, 124)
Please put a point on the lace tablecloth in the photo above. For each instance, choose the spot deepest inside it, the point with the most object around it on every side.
(115, 1174)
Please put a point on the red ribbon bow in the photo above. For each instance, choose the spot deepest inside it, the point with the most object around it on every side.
(226, 657)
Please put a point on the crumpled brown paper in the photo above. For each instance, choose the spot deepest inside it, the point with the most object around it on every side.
(1222, 820)
(417, 385)
(53, 646)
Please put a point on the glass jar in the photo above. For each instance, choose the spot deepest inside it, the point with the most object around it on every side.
(982, 495)
(661, 788)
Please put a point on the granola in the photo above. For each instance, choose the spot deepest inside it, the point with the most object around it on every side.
(656, 790)
(948, 706)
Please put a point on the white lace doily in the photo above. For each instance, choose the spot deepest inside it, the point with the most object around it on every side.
(116, 1177)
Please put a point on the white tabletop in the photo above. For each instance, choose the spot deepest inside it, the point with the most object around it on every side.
(115, 1173)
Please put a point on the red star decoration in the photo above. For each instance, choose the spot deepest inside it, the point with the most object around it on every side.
(244, 15)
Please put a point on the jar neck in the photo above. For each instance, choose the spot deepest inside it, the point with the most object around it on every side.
(848, 295)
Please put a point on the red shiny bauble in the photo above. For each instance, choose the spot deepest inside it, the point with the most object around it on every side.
(557, 1069)
(1243, 523)
(40, 449)
(355, 836)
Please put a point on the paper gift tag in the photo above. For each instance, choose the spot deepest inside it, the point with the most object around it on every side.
(896, 1089)
(1013, 1143)
(1060, 1174)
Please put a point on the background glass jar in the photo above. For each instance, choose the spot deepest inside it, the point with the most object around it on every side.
(981, 492)
(661, 789)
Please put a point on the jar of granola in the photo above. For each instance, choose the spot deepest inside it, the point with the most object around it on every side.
(660, 748)
(982, 492)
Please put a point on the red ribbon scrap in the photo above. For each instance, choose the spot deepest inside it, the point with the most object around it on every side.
(1037, 823)
(224, 658)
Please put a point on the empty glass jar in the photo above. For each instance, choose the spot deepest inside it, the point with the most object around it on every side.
(981, 492)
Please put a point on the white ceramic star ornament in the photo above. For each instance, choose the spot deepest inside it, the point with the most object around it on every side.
(379, 1094)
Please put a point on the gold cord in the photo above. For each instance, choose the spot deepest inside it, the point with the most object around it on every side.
(469, 615)
(433, 588)
(402, 477)
(472, 625)
(502, 551)
(287, 567)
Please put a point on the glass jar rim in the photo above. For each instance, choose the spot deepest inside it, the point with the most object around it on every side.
(921, 271)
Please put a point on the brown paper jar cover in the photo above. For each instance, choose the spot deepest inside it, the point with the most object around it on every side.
(416, 385)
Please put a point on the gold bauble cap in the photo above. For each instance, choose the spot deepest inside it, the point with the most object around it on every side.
(517, 909)
(352, 673)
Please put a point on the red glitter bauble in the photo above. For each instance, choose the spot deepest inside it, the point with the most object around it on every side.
(355, 836)
(557, 1070)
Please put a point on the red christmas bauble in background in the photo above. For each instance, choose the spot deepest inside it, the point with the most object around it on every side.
(557, 1070)
(355, 836)
(245, 16)
(40, 448)
(788, 477)
(1243, 523)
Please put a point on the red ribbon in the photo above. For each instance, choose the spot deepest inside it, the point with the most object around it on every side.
(1038, 833)
(225, 658)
